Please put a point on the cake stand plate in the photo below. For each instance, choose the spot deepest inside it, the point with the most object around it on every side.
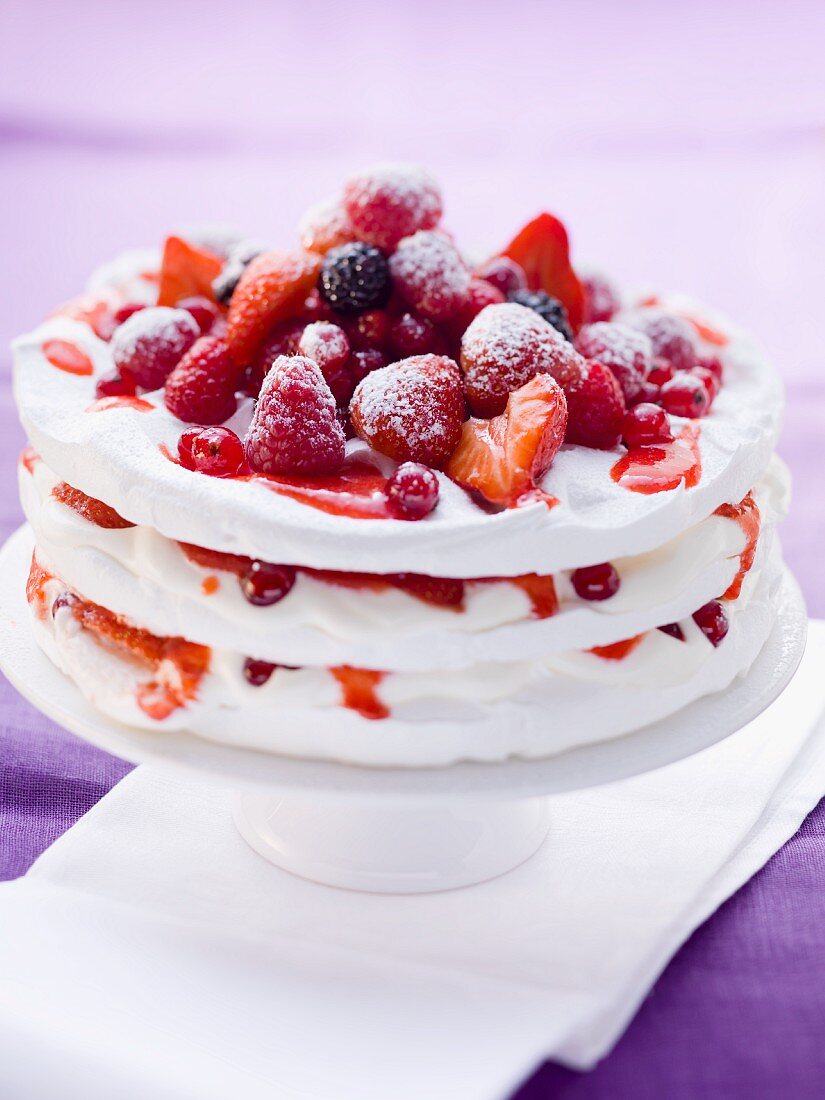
(396, 830)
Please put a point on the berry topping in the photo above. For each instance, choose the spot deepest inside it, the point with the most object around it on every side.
(324, 226)
(601, 299)
(238, 259)
(412, 492)
(595, 582)
(327, 344)
(390, 202)
(201, 388)
(595, 407)
(504, 274)
(257, 673)
(282, 340)
(214, 451)
(712, 621)
(264, 584)
(626, 351)
(673, 630)
(646, 424)
(685, 395)
(430, 275)
(295, 429)
(411, 335)
(370, 330)
(411, 410)
(671, 336)
(272, 288)
(441, 591)
(660, 372)
(152, 342)
(204, 311)
(480, 294)
(713, 364)
(503, 348)
(362, 363)
(543, 252)
(504, 458)
(355, 277)
(116, 384)
(186, 271)
(91, 509)
(710, 381)
(547, 307)
(125, 312)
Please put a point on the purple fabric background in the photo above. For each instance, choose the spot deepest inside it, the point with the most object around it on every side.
(683, 145)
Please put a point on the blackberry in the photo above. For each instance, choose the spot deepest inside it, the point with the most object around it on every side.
(355, 277)
(237, 259)
(547, 307)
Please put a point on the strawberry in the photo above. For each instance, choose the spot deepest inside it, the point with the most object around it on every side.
(325, 226)
(441, 591)
(542, 249)
(201, 388)
(273, 287)
(411, 410)
(391, 201)
(596, 408)
(186, 271)
(91, 509)
(504, 458)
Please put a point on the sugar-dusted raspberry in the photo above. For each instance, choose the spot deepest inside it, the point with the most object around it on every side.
(412, 491)
(712, 621)
(671, 336)
(601, 299)
(646, 424)
(429, 273)
(204, 311)
(504, 274)
(264, 584)
(504, 347)
(595, 582)
(90, 508)
(215, 451)
(391, 201)
(324, 226)
(201, 388)
(626, 351)
(411, 335)
(116, 384)
(362, 363)
(355, 277)
(272, 288)
(150, 343)
(685, 395)
(295, 429)
(411, 410)
(595, 408)
(546, 306)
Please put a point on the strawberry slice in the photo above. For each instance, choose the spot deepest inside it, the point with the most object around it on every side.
(273, 287)
(542, 249)
(503, 458)
(186, 272)
(440, 591)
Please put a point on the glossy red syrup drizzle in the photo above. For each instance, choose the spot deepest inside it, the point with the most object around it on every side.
(357, 491)
(67, 357)
(746, 514)
(358, 691)
(618, 650)
(662, 466)
(29, 458)
(121, 401)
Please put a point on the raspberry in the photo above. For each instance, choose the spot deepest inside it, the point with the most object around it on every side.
(430, 275)
(116, 384)
(503, 348)
(412, 491)
(355, 277)
(671, 336)
(441, 591)
(411, 335)
(257, 673)
(595, 582)
(504, 274)
(712, 621)
(152, 342)
(411, 410)
(295, 429)
(91, 509)
(272, 288)
(626, 351)
(238, 259)
(595, 407)
(326, 343)
(204, 311)
(201, 388)
(646, 424)
(601, 299)
(214, 451)
(685, 395)
(264, 584)
(282, 340)
(324, 226)
(362, 363)
(390, 202)
(547, 307)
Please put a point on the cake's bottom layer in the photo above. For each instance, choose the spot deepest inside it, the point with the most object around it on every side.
(485, 713)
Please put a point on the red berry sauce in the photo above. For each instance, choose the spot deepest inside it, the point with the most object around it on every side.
(658, 468)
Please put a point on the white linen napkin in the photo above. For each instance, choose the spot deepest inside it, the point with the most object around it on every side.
(150, 953)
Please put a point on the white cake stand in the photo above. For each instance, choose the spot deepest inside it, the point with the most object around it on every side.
(393, 830)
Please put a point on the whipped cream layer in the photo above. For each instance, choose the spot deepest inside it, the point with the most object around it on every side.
(149, 579)
(116, 455)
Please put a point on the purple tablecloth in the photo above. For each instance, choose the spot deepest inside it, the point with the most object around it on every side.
(684, 147)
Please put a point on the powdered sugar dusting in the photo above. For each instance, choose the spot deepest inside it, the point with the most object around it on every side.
(672, 337)
(325, 225)
(161, 324)
(391, 201)
(428, 270)
(628, 352)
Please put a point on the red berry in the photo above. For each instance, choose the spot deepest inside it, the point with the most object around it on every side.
(503, 348)
(295, 428)
(504, 274)
(673, 630)
(626, 351)
(671, 336)
(441, 591)
(709, 380)
(685, 395)
(283, 340)
(257, 673)
(712, 621)
(185, 442)
(411, 410)
(125, 312)
(204, 311)
(713, 364)
(214, 451)
(660, 372)
(327, 344)
(369, 330)
(595, 408)
(341, 382)
(362, 363)
(412, 491)
(646, 424)
(479, 295)
(595, 582)
(325, 226)
(410, 335)
(273, 287)
(316, 309)
(152, 342)
(430, 275)
(649, 394)
(601, 299)
(390, 202)
(264, 584)
(116, 384)
(201, 388)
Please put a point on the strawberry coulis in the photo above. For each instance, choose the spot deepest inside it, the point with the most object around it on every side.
(655, 468)
(359, 691)
(746, 515)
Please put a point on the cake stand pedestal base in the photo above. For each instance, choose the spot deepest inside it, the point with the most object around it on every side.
(393, 849)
